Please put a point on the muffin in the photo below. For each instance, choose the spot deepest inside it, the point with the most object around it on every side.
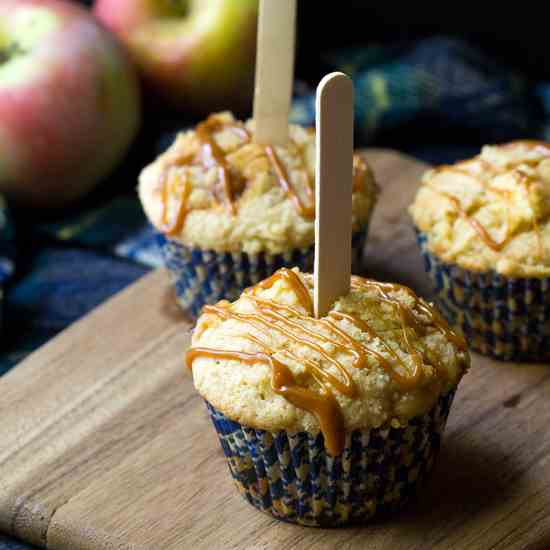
(483, 226)
(327, 421)
(231, 212)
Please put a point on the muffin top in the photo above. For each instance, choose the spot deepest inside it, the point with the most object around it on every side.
(217, 190)
(491, 212)
(381, 356)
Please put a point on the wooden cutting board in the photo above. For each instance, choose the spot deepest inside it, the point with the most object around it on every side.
(105, 445)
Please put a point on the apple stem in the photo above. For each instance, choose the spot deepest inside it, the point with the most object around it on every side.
(9, 51)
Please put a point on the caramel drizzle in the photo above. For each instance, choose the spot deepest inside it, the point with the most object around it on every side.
(524, 181)
(477, 226)
(212, 156)
(308, 211)
(472, 222)
(322, 405)
(181, 212)
(407, 380)
(269, 317)
(284, 182)
(407, 313)
(293, 280)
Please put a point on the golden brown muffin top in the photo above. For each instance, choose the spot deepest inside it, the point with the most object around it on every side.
(216, 189)
(380, 357)
(491, 212)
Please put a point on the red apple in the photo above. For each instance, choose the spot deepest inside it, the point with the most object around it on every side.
(69, 101)
(198, 54)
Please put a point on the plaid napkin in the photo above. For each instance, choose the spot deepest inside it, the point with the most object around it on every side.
(438, 86)
(418, 96)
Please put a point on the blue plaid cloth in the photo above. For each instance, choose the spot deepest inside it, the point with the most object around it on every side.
(447, 95)
(444, 83)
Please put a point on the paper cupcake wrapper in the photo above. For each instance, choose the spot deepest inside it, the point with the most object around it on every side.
(292, 477)
(205, 277)
(505, 318)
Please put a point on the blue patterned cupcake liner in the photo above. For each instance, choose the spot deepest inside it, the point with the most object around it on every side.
(505, 318)
(204, 277)
(293, 478)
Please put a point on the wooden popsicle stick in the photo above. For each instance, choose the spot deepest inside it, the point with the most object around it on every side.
(274, 70)
(333, 189)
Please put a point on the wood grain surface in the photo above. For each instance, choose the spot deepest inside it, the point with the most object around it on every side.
(105, 445)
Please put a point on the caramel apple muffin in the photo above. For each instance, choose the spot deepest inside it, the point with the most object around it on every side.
(327, 421)
(230, 212)
(483, 226)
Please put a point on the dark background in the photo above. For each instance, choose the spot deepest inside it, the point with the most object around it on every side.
(509, 32)
(512, 33)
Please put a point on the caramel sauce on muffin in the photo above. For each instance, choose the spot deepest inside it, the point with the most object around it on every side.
(491, 212)
(216, 189)
(381, 356)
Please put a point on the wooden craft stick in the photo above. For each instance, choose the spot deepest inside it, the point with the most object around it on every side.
(274, 70)
(333, 189)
